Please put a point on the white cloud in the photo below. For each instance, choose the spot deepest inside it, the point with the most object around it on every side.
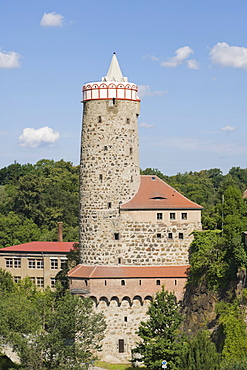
(33, 138)
(52, 20)
(229, 56)
(181, 54)
(146, 125)
(193, 64)
(9, 60)
(228, 129)
(144, 90)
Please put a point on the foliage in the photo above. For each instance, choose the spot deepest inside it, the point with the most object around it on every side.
(73, 259)
(234, 330)
(108, 366)
(160, 334)
(200, 353)
(6, 282)
(49, 331)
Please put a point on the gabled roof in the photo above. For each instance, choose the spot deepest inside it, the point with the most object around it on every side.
(47, 247)
(154, 193)
(103, 272)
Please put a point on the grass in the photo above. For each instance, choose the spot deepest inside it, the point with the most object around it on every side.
(108, 366)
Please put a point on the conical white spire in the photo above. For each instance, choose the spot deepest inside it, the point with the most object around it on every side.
(114, 73)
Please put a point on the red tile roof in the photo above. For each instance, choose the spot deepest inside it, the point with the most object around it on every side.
(47, 247)
(103, 272)
(154, 193)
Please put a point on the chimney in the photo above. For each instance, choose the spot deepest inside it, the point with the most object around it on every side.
(60, 232)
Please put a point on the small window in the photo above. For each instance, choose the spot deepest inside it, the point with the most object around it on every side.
(116, 236)
(101, 177)
(157, 282)
(31, 263)
(159, 216)
(17, 263)
(137, 115)
(125, 318)
(169, 235)
(17, 279)
(85, 282)
(175, 282)
(105, 147)
(113, 101)
(158, 235)
(122, 282)
(173, 216)
(180, 235)
(140, 282)
(131, 179)
(8, 262)
(105, 282)
(53, 282)
(64, 264)
(40, 264)
(40, 282)
(121, 345)
(119, 260)
(32, 279)
(127, 120)
(153, 178)
(109, 204)
(131, 151)
(99, 119)
(184, 216)
(54, 264)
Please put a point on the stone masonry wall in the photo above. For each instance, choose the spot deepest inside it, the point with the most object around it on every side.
(109, 167)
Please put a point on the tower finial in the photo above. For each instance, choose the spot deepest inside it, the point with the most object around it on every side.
(114, 73)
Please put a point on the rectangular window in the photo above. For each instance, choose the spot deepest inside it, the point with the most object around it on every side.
(64, 264)
(159, 216)
(121, 345)
(53, 282)
(8, 263)
(54, 264)
(17, 263)
(169, 235)
(180, 235)
(17, 279)
(32, 280)
(40, 282)
(31, 263)
(40, 264)
(184, 216)
(116, 236)
(172, 216)
(159, 235)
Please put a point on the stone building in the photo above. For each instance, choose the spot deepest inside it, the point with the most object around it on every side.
(135, 230)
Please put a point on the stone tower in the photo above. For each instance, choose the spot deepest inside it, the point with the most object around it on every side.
(110, 174)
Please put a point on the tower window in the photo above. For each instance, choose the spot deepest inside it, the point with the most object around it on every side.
(173, 216)
(116, 236)
(119, 260)
(105, 282)
(180, 235)
(184, 216)
(159, 216)
(175, 282)
(101, 177)
(122, 282)
(125, 318)
(127, 120)
(157, 282)
(105, 147)
(131, 151)
(113, 101)
(121, 345)
(159, 235)
(99, 119)
(140, 282)
(109, 204)
(169, 235)
(131, 179)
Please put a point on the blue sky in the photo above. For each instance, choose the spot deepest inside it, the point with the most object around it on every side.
(189, 58)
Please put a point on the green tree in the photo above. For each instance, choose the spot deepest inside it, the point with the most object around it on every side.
(199, 353)
(6, 282)
(160, 333)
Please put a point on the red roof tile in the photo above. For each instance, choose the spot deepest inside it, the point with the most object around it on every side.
(154, 193)
(48, 247)
(103, 272)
